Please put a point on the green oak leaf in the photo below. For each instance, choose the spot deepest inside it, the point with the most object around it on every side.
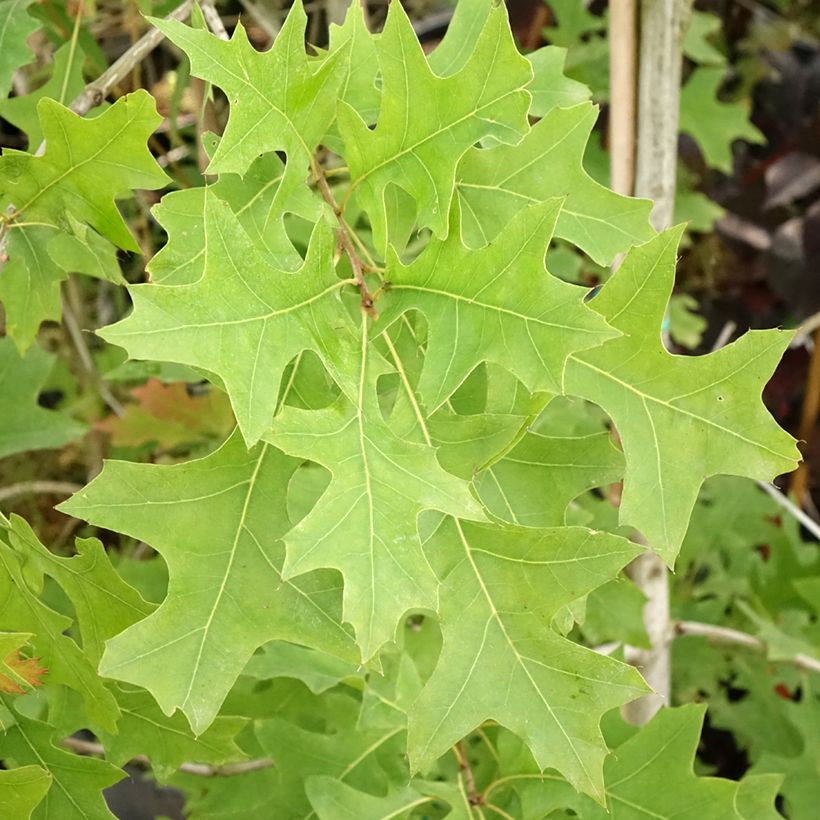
(756, 797)
(364, 524)
(217, 522)
(496, 304)
(168, 741)
(15, 26)
(696, 44)
(714, 124)
(104, 604)
(22, 789)
(501, 587)
(280, 99)
(83, 250)
(76, 782)
(87, 164)
(84, 166)
(333, 800)
(659, 401)
(64, 84)
(258, 201)
(802, 771)
(537, 479)
(461, 38)
(495, 184)
(317, 670)
(244, 319)
(649, 774)
(360, 61)
(572, 22)
(550, 88)
(23, 424)
(64, 661)
(427, 122)
(360, 757)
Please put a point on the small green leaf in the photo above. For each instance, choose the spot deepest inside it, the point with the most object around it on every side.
(22, 789)
(714, 124)
(23, 424)
(64, 84)
(15, 26)
(104, 604)
(280, 99)
(76, 782)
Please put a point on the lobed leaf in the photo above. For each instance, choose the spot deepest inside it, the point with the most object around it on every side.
(427, 122)
(217, 522)
(496, 304)
(658, 400)
(501, 660)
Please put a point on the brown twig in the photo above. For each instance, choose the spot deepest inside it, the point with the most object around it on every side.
(90, 748)
(474, 798)
(346, 240)
(95, 92)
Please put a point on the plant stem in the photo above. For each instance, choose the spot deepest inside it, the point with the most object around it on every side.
(88, 747)
(39, 487)
(809, 523)
(725, 634)
(95, 92)
(466, 773)
(346, 238)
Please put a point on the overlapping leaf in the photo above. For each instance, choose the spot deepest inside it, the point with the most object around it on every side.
(649, 775)
(168, 741)
(15, 26)
(280, 99)
(87, 164)
(216, 522)
(244, 319)
(533, 484)
(426, 122)
(502, 661)
(22, 789)
(660, 402)
(21, 606)
(76, 783)
(497, 304)
(65, 83)
(104, 604)
(495, 184)
(365, 523)
(258, 201)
